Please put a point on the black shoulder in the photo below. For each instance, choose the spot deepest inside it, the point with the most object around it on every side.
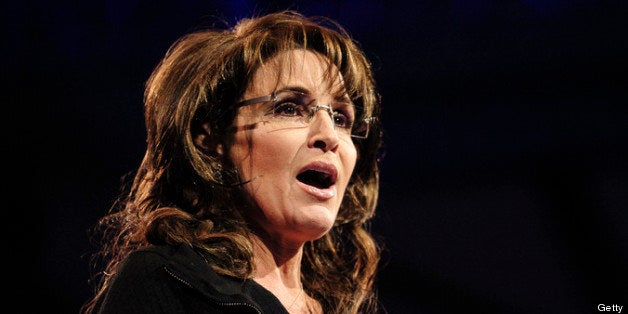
(146, 260)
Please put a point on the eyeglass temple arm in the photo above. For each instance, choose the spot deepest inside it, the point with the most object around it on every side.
(255, 100)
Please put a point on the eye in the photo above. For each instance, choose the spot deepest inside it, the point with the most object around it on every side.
(289, 107)
(340, 120)
(343, 116)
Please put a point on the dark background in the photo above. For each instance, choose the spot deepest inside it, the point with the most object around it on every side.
(504, 183)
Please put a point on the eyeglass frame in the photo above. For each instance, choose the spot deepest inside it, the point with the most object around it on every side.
(273, 96)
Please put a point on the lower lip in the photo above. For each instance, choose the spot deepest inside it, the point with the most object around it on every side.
(321, 194)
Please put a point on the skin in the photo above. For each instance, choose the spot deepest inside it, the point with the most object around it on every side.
(289, 212)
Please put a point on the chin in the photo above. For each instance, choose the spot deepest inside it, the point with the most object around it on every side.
(317, 227)
(318, 233)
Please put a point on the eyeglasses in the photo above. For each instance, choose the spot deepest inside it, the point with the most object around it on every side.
(295, 108)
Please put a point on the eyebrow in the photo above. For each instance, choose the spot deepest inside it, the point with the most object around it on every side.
(340, 96)
(297, 89)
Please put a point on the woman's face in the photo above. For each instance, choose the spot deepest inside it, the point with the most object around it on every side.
(278, 160)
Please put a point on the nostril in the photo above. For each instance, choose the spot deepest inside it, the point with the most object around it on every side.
(320, 144)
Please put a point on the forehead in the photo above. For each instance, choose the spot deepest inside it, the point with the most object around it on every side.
(302, 68)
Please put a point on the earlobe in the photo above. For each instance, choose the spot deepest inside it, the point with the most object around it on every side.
(219, 150)
(207, 143)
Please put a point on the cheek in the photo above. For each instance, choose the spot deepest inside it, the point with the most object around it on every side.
(263, 153)
(269, 155)
(349, 159)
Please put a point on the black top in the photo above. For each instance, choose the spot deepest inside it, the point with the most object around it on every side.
(168, 279)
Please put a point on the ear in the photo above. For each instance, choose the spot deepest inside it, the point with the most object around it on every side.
(207, 143)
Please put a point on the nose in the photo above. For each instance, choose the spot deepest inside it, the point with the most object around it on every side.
(322, 131)
(317, 108)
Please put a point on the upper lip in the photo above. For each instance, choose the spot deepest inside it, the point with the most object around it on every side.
(320, 166)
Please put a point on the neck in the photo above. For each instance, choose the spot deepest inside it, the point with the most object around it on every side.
(278, 269)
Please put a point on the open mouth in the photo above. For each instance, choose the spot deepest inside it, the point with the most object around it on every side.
(319, 176)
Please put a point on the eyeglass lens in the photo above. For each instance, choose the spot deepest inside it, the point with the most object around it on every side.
(298, 108)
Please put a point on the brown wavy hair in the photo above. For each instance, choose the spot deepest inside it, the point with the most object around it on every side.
(183, 193)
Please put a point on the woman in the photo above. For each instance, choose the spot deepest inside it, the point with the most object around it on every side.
(259, 178)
